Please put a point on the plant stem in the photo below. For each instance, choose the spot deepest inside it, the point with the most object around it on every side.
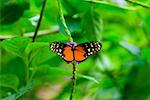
(39, 22)
(35, 34)
(73, 80)
(138, 3)
(71, 40)
(63, 21)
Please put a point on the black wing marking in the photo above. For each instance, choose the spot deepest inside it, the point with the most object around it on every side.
(91, 47)
(58, 48)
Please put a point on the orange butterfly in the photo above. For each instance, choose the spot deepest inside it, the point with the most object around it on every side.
(73, 52)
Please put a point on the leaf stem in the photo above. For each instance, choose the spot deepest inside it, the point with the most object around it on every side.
(73, 80)
(39, 22)
(63, 21)
(138, 3)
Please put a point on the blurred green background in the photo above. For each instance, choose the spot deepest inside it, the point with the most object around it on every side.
(30, 71)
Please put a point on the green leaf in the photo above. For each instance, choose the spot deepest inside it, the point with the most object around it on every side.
(11, 97)
(9, 80)
(138, 80)
(88, 77)
(12, 10)
(146, 53)
(131, 48)
(52, 37)
(23, 90)
(92, 25)
(35, 46)
(109, 6)
(20, 93)
(146, 27)
(38, 3)
(68, 8)
(40, 52)
(16, 45)
(53, 8)
(72, 23)
(13, 65)
(46, 70)
(43, 71)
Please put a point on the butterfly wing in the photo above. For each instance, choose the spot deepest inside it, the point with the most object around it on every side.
(68, 53)
(63, 50)
(82, 51)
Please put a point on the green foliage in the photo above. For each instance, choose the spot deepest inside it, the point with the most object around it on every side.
(119, 71)
(72, 23)
(9, 80)
(21, 92)
(46, 71)
(95, 27)
(12, 10)
(15, 46)
(105, 6)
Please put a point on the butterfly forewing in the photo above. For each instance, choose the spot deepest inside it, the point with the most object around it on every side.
(62, 50)
(91, 47)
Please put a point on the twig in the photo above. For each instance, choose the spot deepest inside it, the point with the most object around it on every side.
(63, 21)
(39, 22)
(33, 39)
(73, 80)
(31, 34)
(138, 3)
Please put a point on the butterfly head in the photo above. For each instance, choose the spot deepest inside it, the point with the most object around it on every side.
(72, 43)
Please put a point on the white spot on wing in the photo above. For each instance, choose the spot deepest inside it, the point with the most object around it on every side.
(96, 49)
(57, 45)
(99, 45)
(91, 44)
(60, 50)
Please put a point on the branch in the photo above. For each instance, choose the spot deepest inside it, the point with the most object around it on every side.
(63, 21)
(138, 3)
(73, 80)
(39, 22)
(31, 34)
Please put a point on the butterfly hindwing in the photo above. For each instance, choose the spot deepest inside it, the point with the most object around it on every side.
(80, 53)
(68, 53)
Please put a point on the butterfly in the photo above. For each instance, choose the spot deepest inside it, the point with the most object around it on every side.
(76, 53)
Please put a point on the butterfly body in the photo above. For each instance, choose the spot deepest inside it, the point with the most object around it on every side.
(77, 53)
